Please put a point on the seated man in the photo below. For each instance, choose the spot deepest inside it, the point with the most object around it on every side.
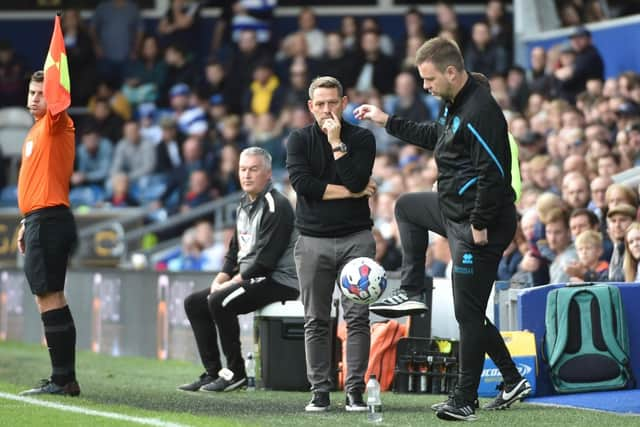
(258, 270)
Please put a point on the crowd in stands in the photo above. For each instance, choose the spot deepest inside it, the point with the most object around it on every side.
(166, 122)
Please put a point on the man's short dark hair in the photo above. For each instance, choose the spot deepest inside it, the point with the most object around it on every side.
(441, 53)
(591, 216)
(37, 77)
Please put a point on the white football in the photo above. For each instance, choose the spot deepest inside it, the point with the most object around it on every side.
(362, 280)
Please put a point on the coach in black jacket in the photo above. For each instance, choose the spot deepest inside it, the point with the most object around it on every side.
(474, 208)
(330, 165)
(258, 270)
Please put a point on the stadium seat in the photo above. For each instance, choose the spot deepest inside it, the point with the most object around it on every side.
(88, 195)
(9, 196)
(15, 123)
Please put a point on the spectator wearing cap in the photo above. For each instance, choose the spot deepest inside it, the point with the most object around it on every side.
(532, 143)
(149, 129)
(619, 218)
(93, 158)
(588, 63)
(180, 69)
(217, 110)
(265, 93)
(627, 113)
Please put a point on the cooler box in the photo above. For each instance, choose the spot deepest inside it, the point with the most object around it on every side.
(280, 329)
(522, 346)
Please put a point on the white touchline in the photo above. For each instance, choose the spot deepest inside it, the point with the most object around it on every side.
(86, 411)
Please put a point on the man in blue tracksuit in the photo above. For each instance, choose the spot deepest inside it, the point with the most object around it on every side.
(474, 208)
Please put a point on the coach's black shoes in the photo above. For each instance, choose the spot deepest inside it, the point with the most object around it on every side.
(203, 380)
(400, 303)
(226, 381)
(457, 409)
(437, 406)
(49, 387)
(319, 402)
(354, 402)
(509, 394)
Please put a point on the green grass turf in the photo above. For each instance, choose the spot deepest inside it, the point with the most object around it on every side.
(146, 388)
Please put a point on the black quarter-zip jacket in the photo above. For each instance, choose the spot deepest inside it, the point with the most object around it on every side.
(471, 147)
(312, 167)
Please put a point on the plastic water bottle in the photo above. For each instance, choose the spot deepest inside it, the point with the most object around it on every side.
(250, 368)
(374, 404)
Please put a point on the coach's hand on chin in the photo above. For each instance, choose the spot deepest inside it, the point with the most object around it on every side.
(371, 112)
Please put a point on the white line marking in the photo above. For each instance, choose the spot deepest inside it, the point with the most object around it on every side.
(85, 411)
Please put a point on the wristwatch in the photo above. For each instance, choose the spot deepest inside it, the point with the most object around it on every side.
(342, 148)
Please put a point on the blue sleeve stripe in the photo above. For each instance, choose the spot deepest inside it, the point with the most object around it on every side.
(486, 147)
(467, 185)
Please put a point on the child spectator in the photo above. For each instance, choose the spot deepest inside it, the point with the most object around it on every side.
(589, 267)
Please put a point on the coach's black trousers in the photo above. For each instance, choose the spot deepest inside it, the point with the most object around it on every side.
(473, 273)
(220, 309)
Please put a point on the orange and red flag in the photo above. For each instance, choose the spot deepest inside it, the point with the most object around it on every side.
(57, 85)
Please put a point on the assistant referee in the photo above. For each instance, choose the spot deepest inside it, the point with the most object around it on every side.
(47, 232)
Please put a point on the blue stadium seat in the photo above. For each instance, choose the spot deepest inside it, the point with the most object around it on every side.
(9, 197)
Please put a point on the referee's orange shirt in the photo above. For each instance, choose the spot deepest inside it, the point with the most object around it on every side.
(47, 163)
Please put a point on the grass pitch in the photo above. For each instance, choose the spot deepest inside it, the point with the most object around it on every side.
(145, 389)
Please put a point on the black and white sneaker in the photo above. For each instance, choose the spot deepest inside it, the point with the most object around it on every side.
(226, 381)
(509, 394)
(319, 402)
(399, 304)
(457, 410)
(437, 406)
(354, 402)
(203, 380)
(47, 386)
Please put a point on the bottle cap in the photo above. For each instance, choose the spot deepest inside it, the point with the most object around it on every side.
(372, 377)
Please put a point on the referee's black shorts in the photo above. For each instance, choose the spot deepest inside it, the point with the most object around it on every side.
(50, 237)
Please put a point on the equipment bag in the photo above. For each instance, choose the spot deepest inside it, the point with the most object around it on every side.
(586, 341)
(382, 354)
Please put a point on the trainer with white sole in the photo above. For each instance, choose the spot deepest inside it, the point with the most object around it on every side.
(473, 208)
